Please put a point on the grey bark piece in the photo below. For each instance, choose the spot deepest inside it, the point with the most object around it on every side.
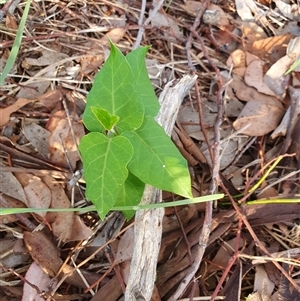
(148, 224)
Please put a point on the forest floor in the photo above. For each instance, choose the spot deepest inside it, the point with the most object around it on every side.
(238, 128)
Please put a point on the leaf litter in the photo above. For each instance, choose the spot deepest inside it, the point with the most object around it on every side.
(252, 45)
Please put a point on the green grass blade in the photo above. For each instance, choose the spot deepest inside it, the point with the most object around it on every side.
(16, 46)
(6, 211)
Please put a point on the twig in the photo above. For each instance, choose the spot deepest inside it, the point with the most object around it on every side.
(151, 15)
(254, 236)
(208, 212)
(188, 246)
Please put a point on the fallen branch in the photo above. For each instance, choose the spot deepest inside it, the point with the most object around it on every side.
(148, 225)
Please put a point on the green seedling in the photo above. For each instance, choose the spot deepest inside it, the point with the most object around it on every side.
(125, 147)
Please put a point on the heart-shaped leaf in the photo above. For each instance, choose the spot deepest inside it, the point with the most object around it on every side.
(143, 86)
(113, 90)
(156, 160)
(130, 194)
(107, 120)
(105, 168)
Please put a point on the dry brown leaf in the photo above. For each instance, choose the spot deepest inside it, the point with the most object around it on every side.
(237, 59)
(262, 118)
(162, 19)
(50, 99)
(189, 119)
(224, 254)
(46, 58)
(10, 22)
(36, 276)
(9, 202)
(11, 259)
(43, 252)
(254, 77)
(252, 32)
(6, 112)
(38, 195)
(125, 246)
(271, 49)
(262, 283)
(37, 88)
(275, 78)
(10, 186)
(63, 221)
(238, 89)
(193, 6)
(220, 18)
(38, 137)
(246, 9)
(80, 231)
(61, 140)
(90, 63)
(270, 192)
(250, 57)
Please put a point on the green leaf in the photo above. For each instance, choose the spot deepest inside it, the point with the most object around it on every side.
(105, 168)
(113, 90)
(156, 160)
(107, 120)
(130, 194)
(143, 85)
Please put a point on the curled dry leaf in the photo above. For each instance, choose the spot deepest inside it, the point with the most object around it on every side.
(6, 112)
(282, 127)
(246, 9)
(262, 117)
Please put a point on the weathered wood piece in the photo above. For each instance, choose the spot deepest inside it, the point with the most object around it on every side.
(148, 224)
